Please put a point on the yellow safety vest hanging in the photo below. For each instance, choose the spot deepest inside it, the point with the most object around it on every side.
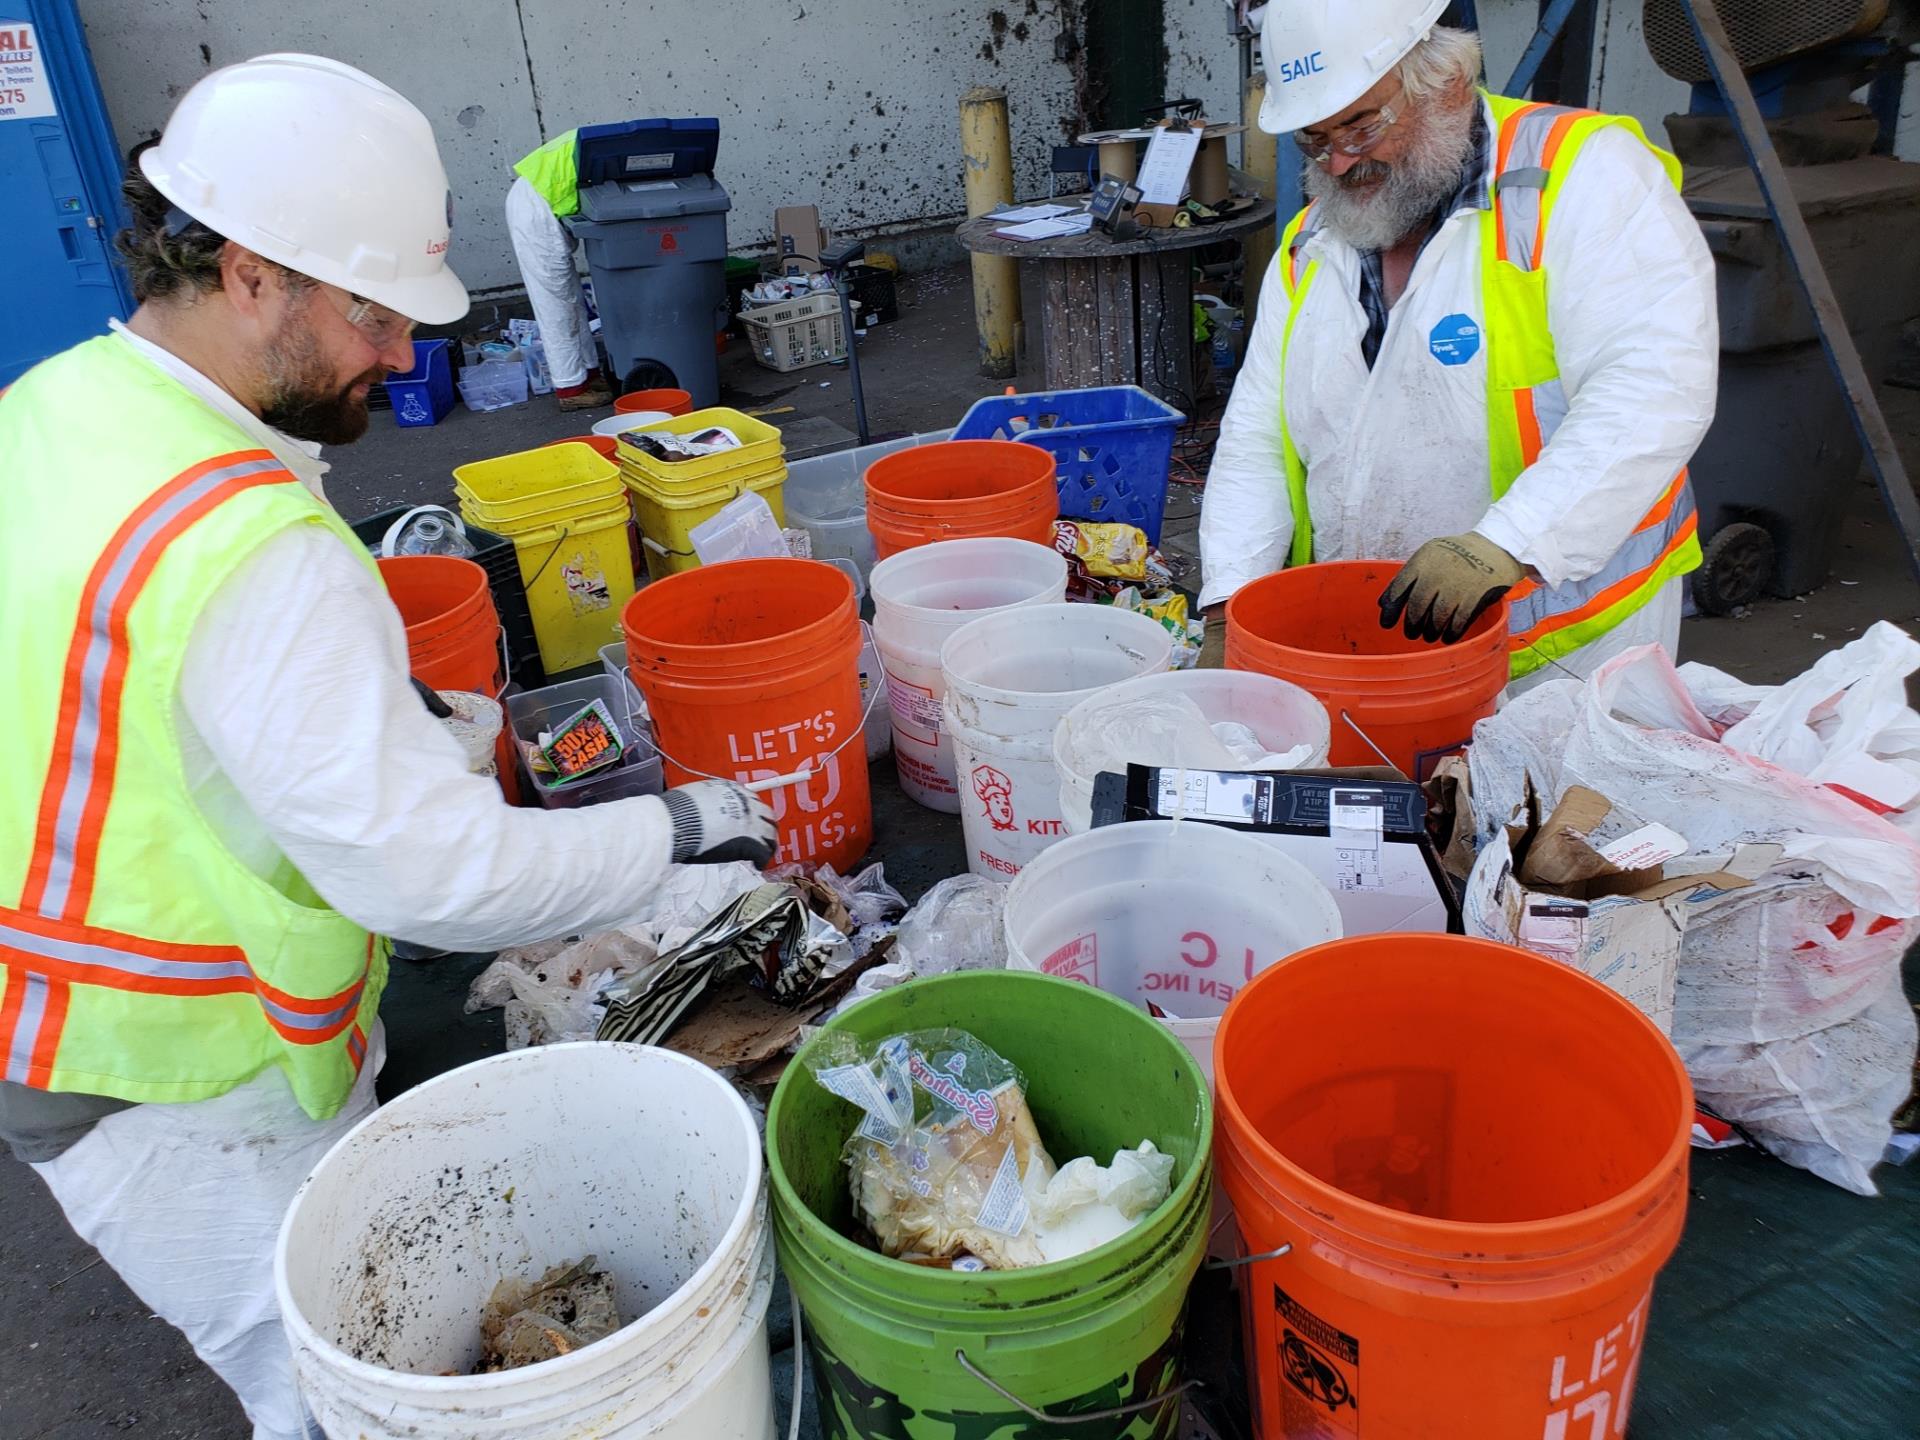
(1526, 402)
(554, 171)
(139, 958)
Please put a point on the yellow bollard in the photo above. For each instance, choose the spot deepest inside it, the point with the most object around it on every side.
(996, 278)
(1257, 159)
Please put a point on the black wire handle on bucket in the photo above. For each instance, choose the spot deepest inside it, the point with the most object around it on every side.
(1118, 1412)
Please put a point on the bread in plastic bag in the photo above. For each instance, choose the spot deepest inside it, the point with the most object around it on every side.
(939, 1161)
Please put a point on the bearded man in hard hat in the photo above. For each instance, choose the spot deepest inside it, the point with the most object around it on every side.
(220, 785)
(1489, 344)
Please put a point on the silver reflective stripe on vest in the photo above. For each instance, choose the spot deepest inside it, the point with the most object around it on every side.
(1520, 197)
(1641, 552)
(26, 1031)
(301, 1020)
(129, 962)
(86, 738)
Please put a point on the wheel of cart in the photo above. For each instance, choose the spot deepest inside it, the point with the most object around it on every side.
(1738, 563)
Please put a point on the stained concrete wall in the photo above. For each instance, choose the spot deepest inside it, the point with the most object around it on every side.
(849, 104)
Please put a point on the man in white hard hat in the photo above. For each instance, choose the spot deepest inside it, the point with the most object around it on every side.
(546, 189)
(1488, 349)
(220, 786)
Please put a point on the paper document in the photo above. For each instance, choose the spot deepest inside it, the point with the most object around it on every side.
(1034, 212)
(1163, 174)
(1051, 229)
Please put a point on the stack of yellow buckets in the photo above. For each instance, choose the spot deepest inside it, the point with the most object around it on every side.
(567, 513)
(670, 497)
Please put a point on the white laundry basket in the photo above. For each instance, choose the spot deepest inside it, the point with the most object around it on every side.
(641, 1157)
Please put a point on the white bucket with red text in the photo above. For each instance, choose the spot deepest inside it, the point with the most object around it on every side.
(646, 1160)
(1010, 676)
(920, 597)
(1174, 915)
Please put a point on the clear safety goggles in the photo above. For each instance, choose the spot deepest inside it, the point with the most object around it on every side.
(381, 327)
(1356, 137)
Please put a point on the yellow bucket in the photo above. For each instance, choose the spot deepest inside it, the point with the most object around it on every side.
(667, 516)
(578, 574)
(515, 489)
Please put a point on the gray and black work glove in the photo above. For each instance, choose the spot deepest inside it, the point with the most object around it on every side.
(716, 821)
(1447, 585)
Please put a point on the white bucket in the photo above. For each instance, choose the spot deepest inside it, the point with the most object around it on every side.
(1280, 714)
(1010, 677)
(920, 597)
(1173, 912)
(640, 1157)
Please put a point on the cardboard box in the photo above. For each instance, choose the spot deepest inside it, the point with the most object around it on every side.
(799, 237)
(1613, 912)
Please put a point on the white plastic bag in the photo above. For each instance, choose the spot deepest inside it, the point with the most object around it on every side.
(1782, 1009)
(956, 926)
(552, 990)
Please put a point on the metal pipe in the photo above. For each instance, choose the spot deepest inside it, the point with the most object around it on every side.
(985, 142)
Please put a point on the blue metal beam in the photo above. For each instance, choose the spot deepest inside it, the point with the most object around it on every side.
(1551, 25)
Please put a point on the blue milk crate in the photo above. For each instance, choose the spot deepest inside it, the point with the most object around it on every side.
(1113, 445)
(423, 395)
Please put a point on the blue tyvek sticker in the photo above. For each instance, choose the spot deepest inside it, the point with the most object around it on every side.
(1455, 340)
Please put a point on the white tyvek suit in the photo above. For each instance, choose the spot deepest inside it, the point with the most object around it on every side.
(544, 248)
(1398, 455)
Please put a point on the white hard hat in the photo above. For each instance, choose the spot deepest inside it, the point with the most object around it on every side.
(321, 168)
(1322, 55)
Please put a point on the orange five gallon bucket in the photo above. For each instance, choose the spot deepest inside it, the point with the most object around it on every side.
(1319, 626)
(961, 489)
(1479, 1159)
(751, 670)
(453, 632)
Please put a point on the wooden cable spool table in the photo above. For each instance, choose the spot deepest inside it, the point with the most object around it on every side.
(1117, 312)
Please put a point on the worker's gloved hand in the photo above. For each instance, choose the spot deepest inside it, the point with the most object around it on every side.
(1213, 646)
(1447, 585)
(716, 821)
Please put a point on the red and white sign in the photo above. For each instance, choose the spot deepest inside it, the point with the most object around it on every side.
(25, 91)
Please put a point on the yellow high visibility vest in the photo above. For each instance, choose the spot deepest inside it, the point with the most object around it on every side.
(554, 170)
(139, 958)
(1526, 402)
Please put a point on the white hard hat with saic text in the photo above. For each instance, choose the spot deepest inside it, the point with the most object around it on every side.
(321, 168)
(1322, 55)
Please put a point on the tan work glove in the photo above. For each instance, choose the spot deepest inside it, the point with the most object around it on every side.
(1213, 646)
(1447, 585)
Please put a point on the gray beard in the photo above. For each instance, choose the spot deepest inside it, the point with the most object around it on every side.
(1379, 217)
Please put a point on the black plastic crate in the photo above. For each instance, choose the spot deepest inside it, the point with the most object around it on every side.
(494, 554)
(873, 287)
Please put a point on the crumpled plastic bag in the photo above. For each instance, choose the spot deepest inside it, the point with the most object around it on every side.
(958, 925)
(688, 896)
(939, 1161)
(554, 991)
(871, 904)
(1085, 1204)
(1782, 1008)
(1169, 731)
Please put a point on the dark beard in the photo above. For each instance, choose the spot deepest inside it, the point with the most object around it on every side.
(299, 405)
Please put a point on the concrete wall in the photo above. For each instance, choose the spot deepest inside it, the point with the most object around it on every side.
(849, 104)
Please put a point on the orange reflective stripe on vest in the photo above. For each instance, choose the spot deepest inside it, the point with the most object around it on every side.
(45, 945)
(73, 804)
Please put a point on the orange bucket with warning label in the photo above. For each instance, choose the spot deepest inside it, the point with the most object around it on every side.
(751, 671)
(1461, 1166)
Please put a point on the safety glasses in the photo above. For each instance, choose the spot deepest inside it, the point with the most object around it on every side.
(1356, 137)
(381, 327)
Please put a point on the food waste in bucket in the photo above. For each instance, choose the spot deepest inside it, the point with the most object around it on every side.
(905, 1352)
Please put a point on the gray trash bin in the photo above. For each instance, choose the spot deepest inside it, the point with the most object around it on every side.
(655, 230)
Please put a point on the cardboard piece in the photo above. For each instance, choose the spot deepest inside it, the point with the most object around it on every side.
(799, 238)
(1362, 832)
(1543, 885)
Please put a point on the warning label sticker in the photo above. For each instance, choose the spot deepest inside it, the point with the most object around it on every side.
(1319, 1371)
(914, 710)
(1078, 959)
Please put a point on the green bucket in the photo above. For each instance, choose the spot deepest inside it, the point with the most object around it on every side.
(896, 1347)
